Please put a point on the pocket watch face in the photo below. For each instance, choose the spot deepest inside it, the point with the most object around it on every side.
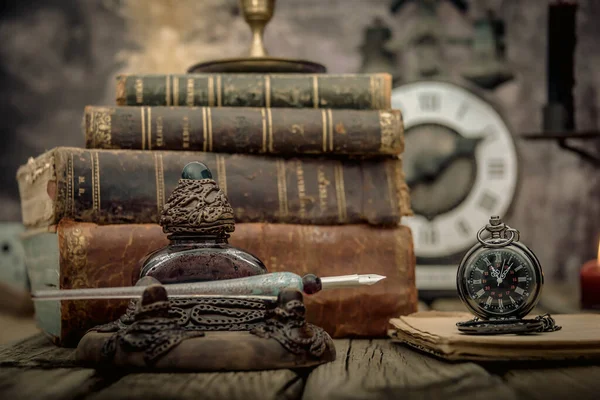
(499, 282)
(460, 164)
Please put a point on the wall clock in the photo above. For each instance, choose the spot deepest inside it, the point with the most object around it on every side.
(461, 166)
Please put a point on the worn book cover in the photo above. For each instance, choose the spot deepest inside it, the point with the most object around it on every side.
(351, 91)
(435, 332)
(278, 131)
(120, 186)
(81, 255)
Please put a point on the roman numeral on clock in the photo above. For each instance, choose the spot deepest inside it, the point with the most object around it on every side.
(495, 168)
(429, 102)
(428, 235)
(462, 110)
(488, 201)
(463, 227)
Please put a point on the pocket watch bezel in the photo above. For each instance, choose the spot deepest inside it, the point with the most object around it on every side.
(532, 300)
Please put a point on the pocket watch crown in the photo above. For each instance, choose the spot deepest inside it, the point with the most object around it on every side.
(495, 220)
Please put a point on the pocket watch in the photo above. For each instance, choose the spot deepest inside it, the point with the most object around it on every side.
(500, 281)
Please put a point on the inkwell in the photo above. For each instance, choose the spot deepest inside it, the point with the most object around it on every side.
(198, 220)
(200, 304)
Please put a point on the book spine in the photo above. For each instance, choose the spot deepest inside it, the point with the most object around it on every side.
(121, 186)
(353, 91)
(81, 261)
(281, 131)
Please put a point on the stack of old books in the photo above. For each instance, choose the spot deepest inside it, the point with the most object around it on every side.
(309, 162)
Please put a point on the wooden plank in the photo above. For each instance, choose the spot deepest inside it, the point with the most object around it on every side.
(47, 384)
(573, 382)
(36, 351)
(379, 369)
(277, 384)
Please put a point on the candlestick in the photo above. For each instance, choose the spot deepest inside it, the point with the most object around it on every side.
(590, 283)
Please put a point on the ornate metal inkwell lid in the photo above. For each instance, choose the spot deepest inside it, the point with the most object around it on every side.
(197, 205)
(257, 14)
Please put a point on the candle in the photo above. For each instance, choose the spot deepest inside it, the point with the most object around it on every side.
(590, 283)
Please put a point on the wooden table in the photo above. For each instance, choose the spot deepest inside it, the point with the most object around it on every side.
(365, 369)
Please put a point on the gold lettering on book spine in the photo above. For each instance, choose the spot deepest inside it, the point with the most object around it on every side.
(323, 187)
(76, 245)
(282, 188)
(301, 188)
(324, 122)
(159, 131)
(95, 181)
(143, 122)
(267, 91)
(221, 173)
(388, 124)
(139, 91)
(160, 182)
(69, 207)
(185, 143)
(175, 90)
(189, 94)
(270, 130)
(330, 129)
(100, 129)
(340, 192)
(149, 120)
(211, 91)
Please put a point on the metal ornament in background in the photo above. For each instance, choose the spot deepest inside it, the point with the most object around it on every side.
(559, 111)
(257, 13)
(258, 286)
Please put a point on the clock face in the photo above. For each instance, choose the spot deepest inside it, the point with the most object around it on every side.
(499, 282)
(460, 163)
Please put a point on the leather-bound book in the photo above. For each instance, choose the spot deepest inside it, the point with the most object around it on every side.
(121, 186)
(278, 131)
(81, 255)
(351, 91)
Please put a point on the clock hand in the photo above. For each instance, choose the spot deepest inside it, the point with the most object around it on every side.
(504, 272)
(494, 272)
(463, 147)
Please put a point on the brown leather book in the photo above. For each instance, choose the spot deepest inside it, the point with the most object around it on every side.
(279, 131)
(130, 186)
(352, 91)
(80, 255)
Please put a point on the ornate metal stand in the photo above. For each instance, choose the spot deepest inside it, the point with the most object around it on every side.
(209, 334)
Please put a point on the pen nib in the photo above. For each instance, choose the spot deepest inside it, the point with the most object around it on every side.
(369, 279)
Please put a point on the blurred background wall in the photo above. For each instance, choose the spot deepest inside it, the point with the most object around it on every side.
(58, 56)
